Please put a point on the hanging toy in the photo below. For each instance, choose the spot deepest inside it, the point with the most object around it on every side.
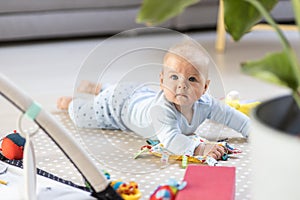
(169, 191)
(165, 155)
(128, 191)
(233, 100)
(12, 146)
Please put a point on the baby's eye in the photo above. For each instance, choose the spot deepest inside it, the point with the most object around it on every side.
(174, 77)
(192, 79)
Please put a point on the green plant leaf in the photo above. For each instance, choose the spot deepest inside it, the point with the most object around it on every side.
(240, 16)
(154, 12)
(275, 68)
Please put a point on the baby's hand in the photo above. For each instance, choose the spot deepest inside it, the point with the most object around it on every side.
(213, 150)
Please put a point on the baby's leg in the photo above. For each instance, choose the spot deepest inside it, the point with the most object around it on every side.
(82, 113)
(89, 87)
(85, 86)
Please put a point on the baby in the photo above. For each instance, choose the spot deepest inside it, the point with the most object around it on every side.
(171, 115)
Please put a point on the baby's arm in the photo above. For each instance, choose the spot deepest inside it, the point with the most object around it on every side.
(230, 117)
(168, 132)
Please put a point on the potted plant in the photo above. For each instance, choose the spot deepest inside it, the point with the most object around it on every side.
(276, 122)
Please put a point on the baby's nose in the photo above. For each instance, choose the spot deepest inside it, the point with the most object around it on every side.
(182, 84)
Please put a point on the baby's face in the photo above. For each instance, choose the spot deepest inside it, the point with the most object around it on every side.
(181, 82)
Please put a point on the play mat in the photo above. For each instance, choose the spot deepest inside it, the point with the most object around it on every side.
(114, 151)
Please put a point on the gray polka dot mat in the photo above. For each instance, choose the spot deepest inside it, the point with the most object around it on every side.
(114, 151)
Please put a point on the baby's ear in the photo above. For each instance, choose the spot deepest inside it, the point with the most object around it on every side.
(161, 79)
(206, 85)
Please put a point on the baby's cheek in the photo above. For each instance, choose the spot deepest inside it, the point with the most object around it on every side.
(196, 92)
(169, 95)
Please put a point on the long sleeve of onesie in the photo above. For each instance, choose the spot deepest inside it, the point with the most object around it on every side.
(228, 116)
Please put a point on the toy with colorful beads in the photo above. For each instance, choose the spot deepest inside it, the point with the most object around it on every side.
(168, 191)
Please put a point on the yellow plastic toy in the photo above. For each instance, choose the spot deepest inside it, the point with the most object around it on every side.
(233, 100)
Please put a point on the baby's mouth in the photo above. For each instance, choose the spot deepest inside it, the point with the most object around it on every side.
(181, 95)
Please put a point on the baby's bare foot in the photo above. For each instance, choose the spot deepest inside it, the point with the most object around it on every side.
(88, 87)
(63, 103)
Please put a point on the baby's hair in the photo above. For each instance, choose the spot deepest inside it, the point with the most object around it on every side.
(193, 53)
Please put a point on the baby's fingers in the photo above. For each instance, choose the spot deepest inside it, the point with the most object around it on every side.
(213, 155)
(221, 149)
(217, 152)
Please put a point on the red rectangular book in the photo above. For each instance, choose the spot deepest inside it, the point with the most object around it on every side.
(209, 183)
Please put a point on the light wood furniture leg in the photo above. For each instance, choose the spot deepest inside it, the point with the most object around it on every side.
(221, 33)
